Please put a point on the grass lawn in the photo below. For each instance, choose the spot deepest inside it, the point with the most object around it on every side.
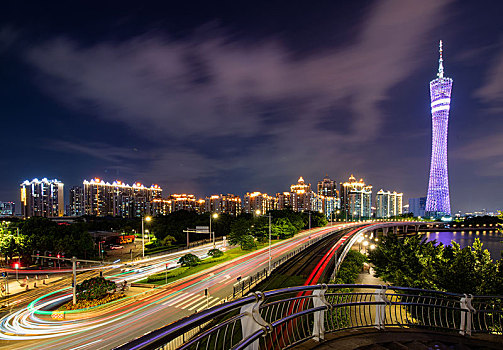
(207, 263)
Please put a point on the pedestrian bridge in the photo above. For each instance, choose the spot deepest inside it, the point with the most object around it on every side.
(309, 316)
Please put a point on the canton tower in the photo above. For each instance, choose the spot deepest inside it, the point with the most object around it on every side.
(438, 202)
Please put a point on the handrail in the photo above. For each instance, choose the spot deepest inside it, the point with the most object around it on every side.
(283, 317)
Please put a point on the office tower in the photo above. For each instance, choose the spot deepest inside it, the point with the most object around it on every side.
(438, 201)
(417, 206)
(7, 208)
(42, 198)
(76, 201)
(356, 199)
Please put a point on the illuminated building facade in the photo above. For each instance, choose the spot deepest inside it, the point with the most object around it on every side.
(356, 199)
(118, 199)
(284, 200)
(438, 200)
(302, 196)
(328, 187)
(388, 204)
(187, 202)
(223, 204)
(258, 201)
(42, 198)
(76, 201)
(7, 208)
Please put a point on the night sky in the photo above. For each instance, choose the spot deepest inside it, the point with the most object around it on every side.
(230, 97)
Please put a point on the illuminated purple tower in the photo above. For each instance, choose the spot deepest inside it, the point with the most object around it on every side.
(438, 202)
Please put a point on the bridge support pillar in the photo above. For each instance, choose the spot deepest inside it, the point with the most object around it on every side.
(395, 229)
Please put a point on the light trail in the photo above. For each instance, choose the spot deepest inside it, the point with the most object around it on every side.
(141, 313)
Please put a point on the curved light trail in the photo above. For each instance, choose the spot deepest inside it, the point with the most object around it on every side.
(133, 316)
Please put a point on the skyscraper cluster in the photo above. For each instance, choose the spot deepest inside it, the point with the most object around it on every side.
(350, 200)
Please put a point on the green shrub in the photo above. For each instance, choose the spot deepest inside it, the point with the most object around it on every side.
(215, 253)
(350, 267)
(95, 288)
(170, 274)
(189, 260)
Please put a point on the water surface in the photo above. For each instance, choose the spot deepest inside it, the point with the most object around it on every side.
(492, 240)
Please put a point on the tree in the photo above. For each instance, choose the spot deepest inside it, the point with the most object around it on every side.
(247, 242)
(283, 228)
(168, 241)
(240, 227)
(189, 260)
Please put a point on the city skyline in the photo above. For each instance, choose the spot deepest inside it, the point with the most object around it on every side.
(234, 99)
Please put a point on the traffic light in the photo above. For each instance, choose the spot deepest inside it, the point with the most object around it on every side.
(58, 255)
(16, 265)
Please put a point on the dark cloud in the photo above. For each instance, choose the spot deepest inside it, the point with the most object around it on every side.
(219, 88)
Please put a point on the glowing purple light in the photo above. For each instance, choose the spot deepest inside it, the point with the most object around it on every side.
(438, 202)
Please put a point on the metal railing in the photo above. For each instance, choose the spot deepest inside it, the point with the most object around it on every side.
(283, 318)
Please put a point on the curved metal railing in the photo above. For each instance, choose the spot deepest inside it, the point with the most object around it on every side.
(283, 318)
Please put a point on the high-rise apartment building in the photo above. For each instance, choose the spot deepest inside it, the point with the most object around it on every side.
(223, 204)
(356, 199)
(7, 208)
(327, 198)
(327, 187)
(118, 199)
(258, 201)
(42, 198)
(284, 200)
(438, 201)
(388, 204)
(302, 195)
(187, 202)
(76, 207)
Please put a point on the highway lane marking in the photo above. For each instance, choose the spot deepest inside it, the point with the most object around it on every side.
(85, 345)
(178, 298)
(187, 301)
(201, 303)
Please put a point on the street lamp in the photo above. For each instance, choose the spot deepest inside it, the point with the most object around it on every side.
(147, 219)
(214, 216)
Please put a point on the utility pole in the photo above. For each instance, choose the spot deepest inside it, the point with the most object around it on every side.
(74, 280)
(269, 243)
(74, 271)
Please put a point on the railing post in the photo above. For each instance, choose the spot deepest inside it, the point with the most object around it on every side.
(380, 317)
(465, 326)
(319, 316)
(252, 321)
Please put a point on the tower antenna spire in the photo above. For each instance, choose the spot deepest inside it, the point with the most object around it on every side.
(440, 73)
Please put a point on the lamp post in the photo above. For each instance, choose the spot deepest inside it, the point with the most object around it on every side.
(214, 216)
(147, 219)
(257, 212)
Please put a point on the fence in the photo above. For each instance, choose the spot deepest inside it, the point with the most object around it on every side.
(284, 318)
